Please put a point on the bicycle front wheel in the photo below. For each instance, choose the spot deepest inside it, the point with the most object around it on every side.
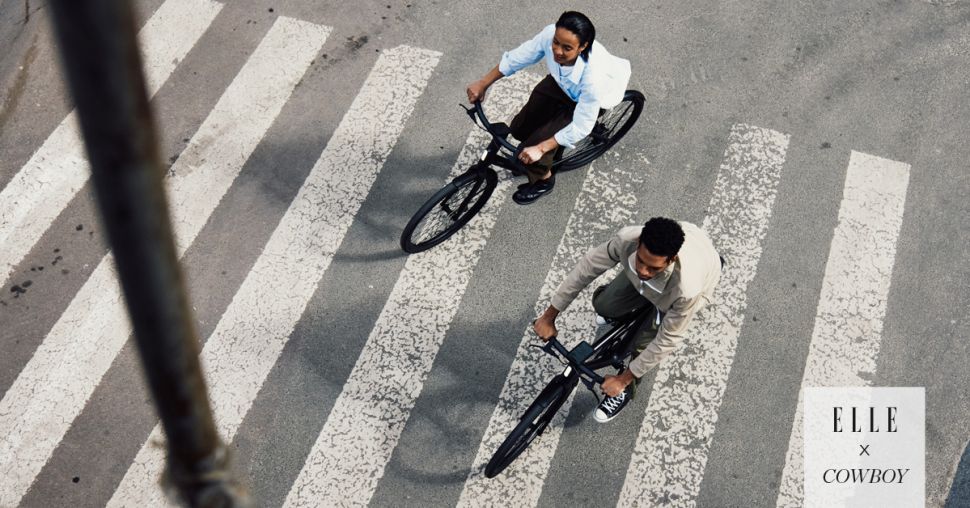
(448, 210)
(609, 128)
(532, 424)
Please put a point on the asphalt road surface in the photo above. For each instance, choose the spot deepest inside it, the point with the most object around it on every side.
(822, 145)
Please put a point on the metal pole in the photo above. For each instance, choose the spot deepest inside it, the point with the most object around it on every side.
(103, 66)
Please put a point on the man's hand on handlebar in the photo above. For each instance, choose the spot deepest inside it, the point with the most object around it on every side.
(545, 325)
(545, 328)
(613, 385)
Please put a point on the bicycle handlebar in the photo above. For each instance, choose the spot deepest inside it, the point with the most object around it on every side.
(477, 114)
(571, 357)
(477, 111)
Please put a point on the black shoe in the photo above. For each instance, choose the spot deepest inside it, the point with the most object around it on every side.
(532, 192)
(611, 406)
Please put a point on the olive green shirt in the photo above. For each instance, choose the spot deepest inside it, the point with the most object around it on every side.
(685, 287)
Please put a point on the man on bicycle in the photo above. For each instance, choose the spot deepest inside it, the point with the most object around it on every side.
(583, 79)
(670, 269)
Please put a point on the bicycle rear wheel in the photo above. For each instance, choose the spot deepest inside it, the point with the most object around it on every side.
(609, 128)
(448, 210)
(532, 424)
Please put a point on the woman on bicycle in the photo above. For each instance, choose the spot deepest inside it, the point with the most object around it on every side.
(583, 80)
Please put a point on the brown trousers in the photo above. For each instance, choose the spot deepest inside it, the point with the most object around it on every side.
(548, 110)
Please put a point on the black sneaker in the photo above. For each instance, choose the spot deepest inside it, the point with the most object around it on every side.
(611, 406)
(532, 192)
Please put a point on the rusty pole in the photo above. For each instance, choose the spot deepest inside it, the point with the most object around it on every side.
(100, 55)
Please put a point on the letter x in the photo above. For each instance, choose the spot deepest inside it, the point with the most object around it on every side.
(865, 450)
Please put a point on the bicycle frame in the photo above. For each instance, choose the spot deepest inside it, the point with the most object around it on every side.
(492, 155)
(577, 359)
(499, 131)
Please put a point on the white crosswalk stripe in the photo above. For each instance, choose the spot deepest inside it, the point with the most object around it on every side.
(855, 290)
(668, 460)
(40, 191)
(58, 380)
(608, 201)
(349, 456)
(256, 326)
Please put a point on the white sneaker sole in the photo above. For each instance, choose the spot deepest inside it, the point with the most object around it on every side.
(603, 418)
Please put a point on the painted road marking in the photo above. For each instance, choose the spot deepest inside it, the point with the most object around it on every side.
(40, 191)
(349, 456)
(606, 203)
(58, 380)
(251, 334)
(855, 290)
(671, 451)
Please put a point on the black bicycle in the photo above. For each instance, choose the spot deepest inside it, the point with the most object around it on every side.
(458, 201)
(610, 350)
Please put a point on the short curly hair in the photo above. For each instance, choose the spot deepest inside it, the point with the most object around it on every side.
(662, 237)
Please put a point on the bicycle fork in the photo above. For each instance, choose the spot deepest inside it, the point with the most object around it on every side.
(454, 214)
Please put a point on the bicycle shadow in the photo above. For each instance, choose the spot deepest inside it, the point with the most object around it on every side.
(446, 425)
(451, 418)
(384, 255)
(401, 187)
(444, 440)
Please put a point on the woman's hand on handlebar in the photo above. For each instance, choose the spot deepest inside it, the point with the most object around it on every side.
(531, 154)
(476, 91)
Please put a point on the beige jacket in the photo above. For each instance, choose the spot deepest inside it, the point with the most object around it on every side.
(681, 290)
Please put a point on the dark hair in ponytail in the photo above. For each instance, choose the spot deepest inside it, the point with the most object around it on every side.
(579, 24)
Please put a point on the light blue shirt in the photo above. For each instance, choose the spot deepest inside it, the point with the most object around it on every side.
(594, 84)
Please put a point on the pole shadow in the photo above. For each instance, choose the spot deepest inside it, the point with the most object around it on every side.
(960, 489)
